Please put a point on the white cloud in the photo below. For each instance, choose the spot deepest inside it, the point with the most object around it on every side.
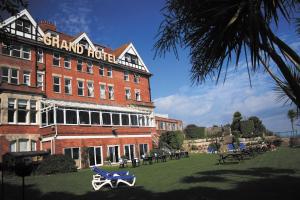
(74, 17)
(214, 104)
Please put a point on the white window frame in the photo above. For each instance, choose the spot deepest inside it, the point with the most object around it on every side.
(90, 88)
(89, 67)
(40, 56)
(56, 58)
(40, 83)
(137, 91)
(67, 60)
(9, 75)
(80, 88)
(68, 86)
(27, 74)
(102, 92)
(59, 84)
(136, 78)
(101, 70)
(111, 92)
(128, 95)
(126, 76)
(109, 72)
(134, 155)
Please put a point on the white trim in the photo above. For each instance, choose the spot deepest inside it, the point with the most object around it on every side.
(20, 14)
(64, 137)
(137, 54)
(84, 35)
(93, 106)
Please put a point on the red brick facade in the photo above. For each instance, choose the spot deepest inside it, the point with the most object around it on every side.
(30, 117)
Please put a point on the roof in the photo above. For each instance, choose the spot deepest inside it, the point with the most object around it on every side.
(117, 52)
(167, 119)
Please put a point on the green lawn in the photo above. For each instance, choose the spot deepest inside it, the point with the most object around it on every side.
(273, 175)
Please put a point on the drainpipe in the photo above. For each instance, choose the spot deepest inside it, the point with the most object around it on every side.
(55, 126)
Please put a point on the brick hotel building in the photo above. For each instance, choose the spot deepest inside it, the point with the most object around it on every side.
(64, 94)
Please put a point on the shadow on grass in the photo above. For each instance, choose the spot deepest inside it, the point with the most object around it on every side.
(271, 184)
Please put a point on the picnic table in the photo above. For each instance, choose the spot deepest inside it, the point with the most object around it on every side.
(147, 160)
(232, 156)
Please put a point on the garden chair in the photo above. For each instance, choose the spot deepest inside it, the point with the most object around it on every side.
(113, 179)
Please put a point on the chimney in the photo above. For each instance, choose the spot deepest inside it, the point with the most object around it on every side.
(46, 25)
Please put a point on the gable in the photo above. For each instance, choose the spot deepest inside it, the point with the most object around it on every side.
(22, 25)
(131, 58)
(84, 37)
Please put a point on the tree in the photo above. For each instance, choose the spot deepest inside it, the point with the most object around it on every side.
(235, 125)
(259, 128)
(247, 128)
(173, 138)
(219, 32)
(193, 132)
(292, 116)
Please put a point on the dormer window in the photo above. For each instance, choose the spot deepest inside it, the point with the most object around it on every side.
(131, 58)
(23, 25)
(84, 43)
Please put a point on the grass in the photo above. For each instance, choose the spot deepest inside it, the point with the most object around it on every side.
(273, 175)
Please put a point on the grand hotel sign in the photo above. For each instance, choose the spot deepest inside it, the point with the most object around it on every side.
(77, 48)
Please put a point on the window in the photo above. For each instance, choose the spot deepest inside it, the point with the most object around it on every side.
(80, 88)
(90, 86)
(95, 156)
(26, 78)
(26, 52)
(129, 151)
(33, 111)
(143, 149)
(84, 117)
(72, 153)
(95, 118)
(137, 95)
(127, 58)
(40, 80)
(56, 59)
(101, 70)
(11, 110)
(23, 145)
(60, 116)
(22, 112)
(116, 119)
(89, 68)
(13, 146)
(5, 75)
(109, 72)
(67, 62)
(106, 120)
(127, 93)
(40, 56)
(23, 26)
(10, 75)
(111, 92)
(14, 76)
(134, 120)
(102, 91)
(126, 76)
(33, 145)
(56, 84)
(136, 78)
(125, 119)
(68, 86)
(131, 58)
(71, 117)
(79, 65)
(19, 51)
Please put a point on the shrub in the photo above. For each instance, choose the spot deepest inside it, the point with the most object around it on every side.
(173, 138)
(194, 147)
(56, 164)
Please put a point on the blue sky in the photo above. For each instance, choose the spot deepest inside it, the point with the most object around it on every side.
(115, 22)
